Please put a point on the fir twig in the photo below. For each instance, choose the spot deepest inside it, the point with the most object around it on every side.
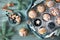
(6, 34)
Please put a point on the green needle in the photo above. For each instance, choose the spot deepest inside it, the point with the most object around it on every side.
(3, 28)
(10, 34)
(6, 38)
(9, 30)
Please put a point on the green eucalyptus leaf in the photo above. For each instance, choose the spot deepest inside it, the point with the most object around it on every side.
(9, 34)
(3, 28)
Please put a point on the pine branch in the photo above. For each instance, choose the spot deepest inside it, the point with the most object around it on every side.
(6, 34)
(6, 38)
(9, 30)
(9, 34)
(23, 4)
(0, 34)
(3, 28)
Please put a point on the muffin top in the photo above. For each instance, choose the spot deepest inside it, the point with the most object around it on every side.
(23, 32)
(50, 3)
(57, 1)
(42, 31)
(46, 17)
(54, 11)
(15, 18)
(58, 20)
(32, 14)
(40, 8)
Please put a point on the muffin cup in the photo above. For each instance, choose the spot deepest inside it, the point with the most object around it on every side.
(49, 15)
(56, 23)
(57, 13)
(11, 21)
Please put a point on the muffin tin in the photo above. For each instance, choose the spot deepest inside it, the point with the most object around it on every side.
(44, 24)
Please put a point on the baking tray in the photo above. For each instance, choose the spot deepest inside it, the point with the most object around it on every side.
(45, 24)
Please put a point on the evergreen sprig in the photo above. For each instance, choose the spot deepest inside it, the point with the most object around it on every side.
(23, 4)
(5, 33)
